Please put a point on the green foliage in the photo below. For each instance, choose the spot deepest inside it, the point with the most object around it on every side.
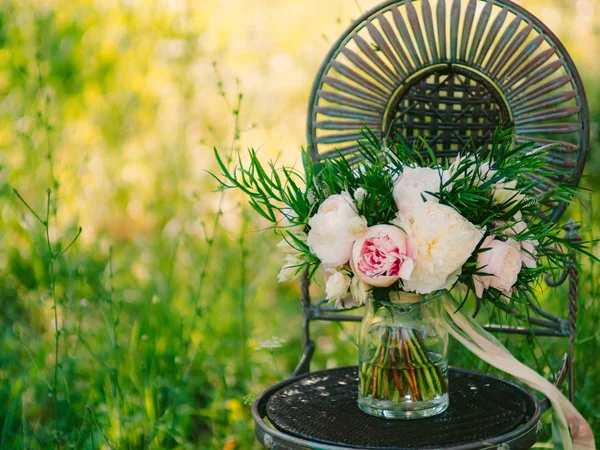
(158, 336)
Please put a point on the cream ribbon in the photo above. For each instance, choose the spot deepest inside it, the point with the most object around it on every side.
(490, 350)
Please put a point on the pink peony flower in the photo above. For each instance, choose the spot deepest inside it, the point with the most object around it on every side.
(528, 246)
(502, 262)
(383, 255)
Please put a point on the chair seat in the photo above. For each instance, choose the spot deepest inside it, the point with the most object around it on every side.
(319, 411)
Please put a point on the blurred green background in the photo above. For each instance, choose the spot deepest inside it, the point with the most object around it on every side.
(168, 303)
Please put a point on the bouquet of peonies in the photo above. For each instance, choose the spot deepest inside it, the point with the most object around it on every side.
(402, 220)
(429, 244)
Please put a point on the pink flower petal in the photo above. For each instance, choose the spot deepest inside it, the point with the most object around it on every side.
(479, 286)
(380, 257)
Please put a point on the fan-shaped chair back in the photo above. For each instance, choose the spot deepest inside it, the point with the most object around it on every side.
(450, 72)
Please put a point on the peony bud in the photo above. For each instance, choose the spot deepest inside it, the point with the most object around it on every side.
(360, 290)
(337, 285)
(292, 268)
(359, 196)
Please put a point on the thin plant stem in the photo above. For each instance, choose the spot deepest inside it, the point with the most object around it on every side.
(115, 342)
(46, 124)
(243, 294)
(53, 258)
(350, 337)
(272, 353)
(71, 243)
(90, 351)
(95, 420)
(51, 253)
(215, 225)
(32, 356)
(43, 117)
(55, 308)
(39, 219)
(395, 368)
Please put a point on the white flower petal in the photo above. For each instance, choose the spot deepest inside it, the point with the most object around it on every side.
(445, 240)
(329, 237)
(412, 185)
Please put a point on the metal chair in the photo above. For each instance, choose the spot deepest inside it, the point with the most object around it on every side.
(449, 73)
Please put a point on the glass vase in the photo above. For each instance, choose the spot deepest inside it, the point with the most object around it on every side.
(403, 373)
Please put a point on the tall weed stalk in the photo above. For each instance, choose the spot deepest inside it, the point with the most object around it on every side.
(191, 347)
(54, 253)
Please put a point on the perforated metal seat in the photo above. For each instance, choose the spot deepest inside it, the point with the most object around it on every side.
(448, 72)
(319, 411)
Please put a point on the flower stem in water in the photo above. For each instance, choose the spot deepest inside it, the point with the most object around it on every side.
(401, 366)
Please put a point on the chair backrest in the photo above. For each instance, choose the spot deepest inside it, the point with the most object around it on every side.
(450, 72)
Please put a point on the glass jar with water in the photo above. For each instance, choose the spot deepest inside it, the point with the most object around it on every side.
(402, 366)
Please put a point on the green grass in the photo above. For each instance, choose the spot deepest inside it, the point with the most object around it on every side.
(146, 332)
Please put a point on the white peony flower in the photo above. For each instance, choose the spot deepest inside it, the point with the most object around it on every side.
(485, 172)
(292, 268)
(411, 186)
(529, 253)
(360, 290)
(337, 285)
(444, 242)
(329, 237)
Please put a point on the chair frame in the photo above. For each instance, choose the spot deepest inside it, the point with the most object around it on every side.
(519, 73)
